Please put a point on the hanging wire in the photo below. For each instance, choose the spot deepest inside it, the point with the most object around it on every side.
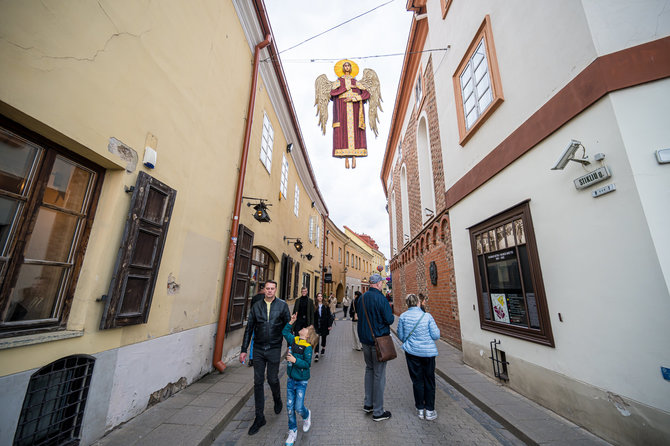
(334, 27)
(324, 60)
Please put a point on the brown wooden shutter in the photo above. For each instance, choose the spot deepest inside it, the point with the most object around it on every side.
(132, 287)
(237, 308)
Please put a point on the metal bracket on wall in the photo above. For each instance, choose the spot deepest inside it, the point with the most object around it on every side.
(499, 363)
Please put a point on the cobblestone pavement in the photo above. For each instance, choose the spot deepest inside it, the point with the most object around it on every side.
(335, 397)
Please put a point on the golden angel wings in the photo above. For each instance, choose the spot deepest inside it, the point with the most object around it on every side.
(369, 82)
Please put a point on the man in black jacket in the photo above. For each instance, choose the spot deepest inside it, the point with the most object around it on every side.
(266, 321)
(305, 309)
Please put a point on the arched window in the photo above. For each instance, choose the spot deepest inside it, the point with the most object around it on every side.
(404, 202)
(426, 171)
(394, 226)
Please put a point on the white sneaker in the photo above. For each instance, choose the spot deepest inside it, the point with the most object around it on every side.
(316, 357)
(431, 414)
(307, 423)
(421, 414)
(292, 435)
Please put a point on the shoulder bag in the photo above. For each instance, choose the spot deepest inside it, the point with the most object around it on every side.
(383, 344)
(415, 325)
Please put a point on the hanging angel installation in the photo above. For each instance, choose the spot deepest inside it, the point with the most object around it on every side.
(348, 96)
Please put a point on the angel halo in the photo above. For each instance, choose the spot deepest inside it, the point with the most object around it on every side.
(348, 96)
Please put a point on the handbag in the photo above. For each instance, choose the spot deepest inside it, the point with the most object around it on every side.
(383, 344)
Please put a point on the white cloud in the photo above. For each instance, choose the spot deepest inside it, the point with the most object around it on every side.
(354, 197)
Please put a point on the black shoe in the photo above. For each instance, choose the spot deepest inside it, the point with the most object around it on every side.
(258, 423)
(323, 350)
(278, 406)
(367, 409)
(385, 416)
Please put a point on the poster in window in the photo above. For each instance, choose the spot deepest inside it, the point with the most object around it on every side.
(532, 310)
(500, 311)
(517, 309)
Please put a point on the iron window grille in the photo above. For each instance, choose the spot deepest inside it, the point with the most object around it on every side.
(53, 408)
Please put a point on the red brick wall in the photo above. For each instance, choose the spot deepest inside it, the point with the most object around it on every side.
(429, 243)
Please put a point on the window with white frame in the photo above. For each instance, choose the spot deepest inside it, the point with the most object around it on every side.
(296, 200)
(267, 141)
(318, 231)
(418, 90)
(477, 83)
(476, 86)
(339, 255)
(283, 184)
(311, 229)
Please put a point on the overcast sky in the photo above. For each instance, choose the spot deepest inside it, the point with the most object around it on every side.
(354, 197)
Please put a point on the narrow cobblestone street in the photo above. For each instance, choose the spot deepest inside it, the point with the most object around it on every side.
(335, 397)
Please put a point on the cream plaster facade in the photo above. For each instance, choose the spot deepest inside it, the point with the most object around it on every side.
(82, 74)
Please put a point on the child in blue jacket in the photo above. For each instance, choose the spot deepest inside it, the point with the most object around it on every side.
(299, 359)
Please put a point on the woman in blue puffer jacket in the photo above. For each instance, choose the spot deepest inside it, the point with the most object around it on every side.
(418, 332)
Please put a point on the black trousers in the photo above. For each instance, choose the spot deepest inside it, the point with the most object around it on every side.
(266, 359)
(422, 372)
(322, 341)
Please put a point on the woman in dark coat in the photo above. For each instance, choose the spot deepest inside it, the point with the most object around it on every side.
(323, 322)
(304, 307)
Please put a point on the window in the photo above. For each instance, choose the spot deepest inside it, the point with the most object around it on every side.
(318, 234)
(339, 255)
(47, 203)
(509, 280)
(267, 142)
(418, 90)
(53, 409)
(311, 229)
(477, 83)
(283, 185)
(134, 278)
(296, 200)
(325, 247)
(394, 225)
(332, 248)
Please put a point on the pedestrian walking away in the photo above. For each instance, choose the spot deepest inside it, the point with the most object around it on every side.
(354, 323)
(304, 308)
(266, 322)
(299, 361)
(374, 307)
(418, 332)
(345, 306)
(257, 298)
(332, 303)
(323, 323)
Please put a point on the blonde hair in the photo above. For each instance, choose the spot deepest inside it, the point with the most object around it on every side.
(312, 337)
(411, 300)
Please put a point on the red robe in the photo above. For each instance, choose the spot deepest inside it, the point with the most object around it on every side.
(348, 118)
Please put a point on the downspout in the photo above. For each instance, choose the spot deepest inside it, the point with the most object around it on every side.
(323, 253)
(234, 229)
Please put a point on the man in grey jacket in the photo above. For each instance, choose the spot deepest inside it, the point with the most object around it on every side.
(374, 312)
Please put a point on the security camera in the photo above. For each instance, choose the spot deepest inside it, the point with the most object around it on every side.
(569, 155)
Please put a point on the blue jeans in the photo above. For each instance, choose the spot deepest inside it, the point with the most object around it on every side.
(295, 401)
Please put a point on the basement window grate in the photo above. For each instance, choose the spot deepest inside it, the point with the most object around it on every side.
(54, 405)
(499, 361)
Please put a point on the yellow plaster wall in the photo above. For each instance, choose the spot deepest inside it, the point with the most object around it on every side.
(89, 71)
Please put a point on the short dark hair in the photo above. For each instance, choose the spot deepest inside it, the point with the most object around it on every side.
(270, 281)
(357, 293)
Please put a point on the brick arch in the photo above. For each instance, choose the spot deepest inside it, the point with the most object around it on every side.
(422, 245)
(434, 234)
(428, 240)
(443, 228)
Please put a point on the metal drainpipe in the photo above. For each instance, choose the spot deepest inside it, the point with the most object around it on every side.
(323, 254)
(234, 229)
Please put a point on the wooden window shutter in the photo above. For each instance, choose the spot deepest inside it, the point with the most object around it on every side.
(132, 287)
(237, 308)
